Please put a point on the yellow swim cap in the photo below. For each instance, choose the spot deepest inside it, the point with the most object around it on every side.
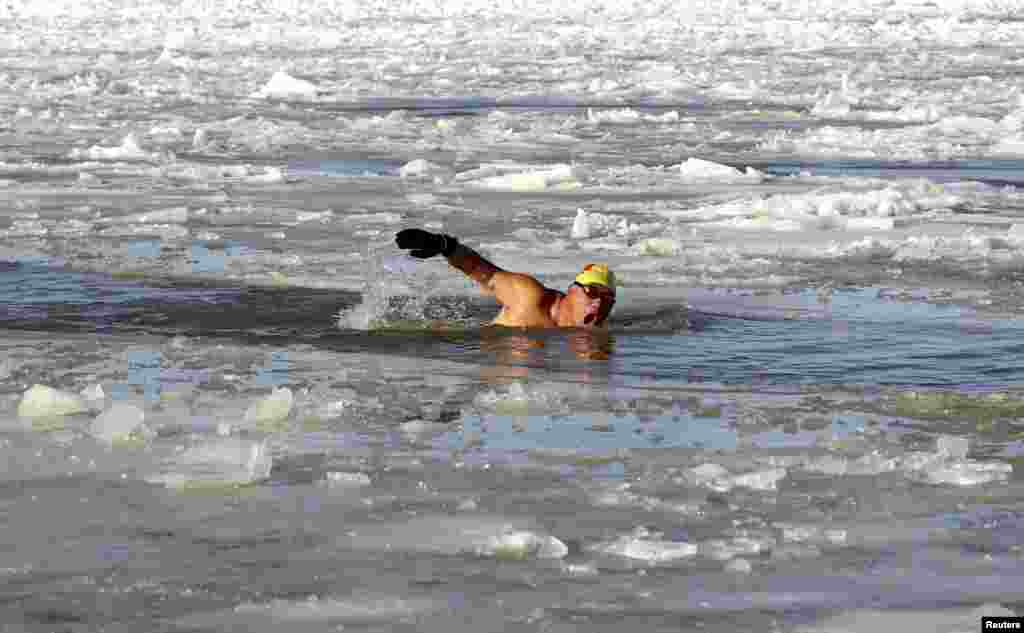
(596, 274)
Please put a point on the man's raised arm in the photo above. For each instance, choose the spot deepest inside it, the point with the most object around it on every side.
(505, 286)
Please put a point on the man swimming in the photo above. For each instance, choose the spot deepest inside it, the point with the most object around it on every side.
(525, 301)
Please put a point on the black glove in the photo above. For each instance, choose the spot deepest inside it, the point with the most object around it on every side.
(425, 244)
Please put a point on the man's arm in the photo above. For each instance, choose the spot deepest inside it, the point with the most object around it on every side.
(510, 289)
(475, 266)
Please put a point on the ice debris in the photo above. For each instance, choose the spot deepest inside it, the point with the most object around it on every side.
(719, 479)
(704, 171)
(556, 177)
(284, 86)
(128, 150)
(40, 401)
(338, 479)
(650, 550)
(225, 462)
(122, 422)
(947, 465)
(271, 409)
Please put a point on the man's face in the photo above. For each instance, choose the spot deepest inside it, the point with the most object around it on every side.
(591, 303)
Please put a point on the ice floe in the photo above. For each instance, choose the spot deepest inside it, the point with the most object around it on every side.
(121, 422)
(271, 409)
(41, 401)
(216, 463)
(128, 150)
(284, 86)
(694, 170)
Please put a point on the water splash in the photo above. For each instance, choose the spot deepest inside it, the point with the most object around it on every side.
(395, 294)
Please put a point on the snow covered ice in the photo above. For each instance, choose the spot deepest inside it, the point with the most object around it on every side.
(227, 401)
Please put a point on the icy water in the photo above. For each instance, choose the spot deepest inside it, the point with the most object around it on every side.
(735, 461)
(846, 336)
(227, 403)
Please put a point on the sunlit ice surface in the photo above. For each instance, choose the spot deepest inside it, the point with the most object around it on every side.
(228, 403)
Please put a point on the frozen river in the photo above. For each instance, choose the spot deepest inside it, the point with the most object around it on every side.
(229, 403)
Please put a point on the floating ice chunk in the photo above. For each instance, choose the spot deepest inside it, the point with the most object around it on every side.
(719, 479)
(424, 169)
(870, 464)
(520, 401)
(72, 227)
(706, 473)
(418, 427)
(26, 228)
(337, 479)
(166, 134)
(224, 462)
(910, 113)
(960, 472)
(559, 177)
(464, 534)
(128, 150)
(1015, 232)
(271, 175)
(173, 215)
(726, 549)
(658, 247)
(739, 566)
(522, 544)
(40, 401)
(587, 225)
(580, 226)
(628, 116)
(815, 534)
(120, 423)
(761, 479)
(271, 409)
(700, 170)
(375, 218)
(650, 550)
(284, 86)
(966, 125)
(323, 217)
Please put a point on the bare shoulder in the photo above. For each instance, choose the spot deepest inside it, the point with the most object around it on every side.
(518, 289)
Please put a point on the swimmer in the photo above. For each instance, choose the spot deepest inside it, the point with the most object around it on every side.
(526, 303)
